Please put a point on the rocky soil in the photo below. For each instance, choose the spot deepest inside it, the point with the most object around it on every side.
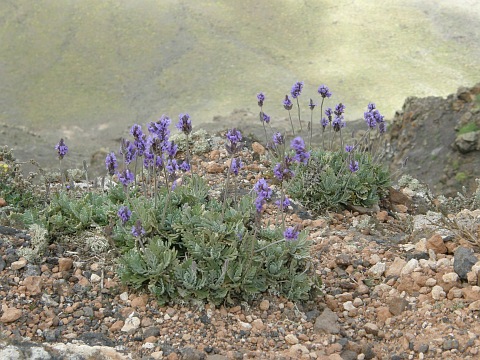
(399, 283)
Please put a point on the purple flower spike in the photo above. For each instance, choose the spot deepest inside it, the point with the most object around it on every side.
(128, 150)
(312, 105)
(234, 136)
(287, 103)
(263, 193)
(266, 118)
(291, 234)
(160, 128)
(111, 163)
(125, 177)
(136, 131)
(124, 214)
(236, 166)
(348, 148)
(338, 123)
(353, 166)
(184, 124)
(278, 138)
(171, 149)
(298, 145)
(339, 109)
(324, 91)
(137, 229)
(260, 98)
(286, 203)
(329, 114)
(324, 123)
(184, 166)
(61, 148)
(296, 89)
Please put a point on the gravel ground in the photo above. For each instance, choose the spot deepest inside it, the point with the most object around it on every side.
(397, 284)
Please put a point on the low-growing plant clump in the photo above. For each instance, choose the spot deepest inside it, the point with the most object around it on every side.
(180, 243)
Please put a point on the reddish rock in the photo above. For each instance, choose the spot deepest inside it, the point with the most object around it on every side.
(33, 284)
(258, 148)
(65, 264)
(2, 202)
(116, 326)
(139, 301)
(214, 168)
(20, 264)
(10, 315)
(436, 244)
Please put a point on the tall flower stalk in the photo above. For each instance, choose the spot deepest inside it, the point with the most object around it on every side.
(185, 126)
(324, 92)
(295, 92)
(234, 137)
(62, 150)
(287, 104)
(263, 118)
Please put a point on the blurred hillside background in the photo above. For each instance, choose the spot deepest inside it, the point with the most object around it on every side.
(87, 70)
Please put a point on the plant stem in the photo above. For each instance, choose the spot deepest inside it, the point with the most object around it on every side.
(299, 120)
(291, 122)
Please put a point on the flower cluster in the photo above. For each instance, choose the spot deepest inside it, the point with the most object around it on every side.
(373, 117)
(62, 149)
(296, 89)
(124, 214)
(126, 177)
(291, 234)
(301, 154)
(282, 170)
(184, 124)
(137, 229)
(324, 91)
(260, 98)
(111, 163)
(278, 139)
(234, 136)
(353, 166)
(287, 103)
(236, 166)
(263, 193)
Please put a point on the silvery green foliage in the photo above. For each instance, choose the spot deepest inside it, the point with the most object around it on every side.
(39, 244)
(326, 183)
(200, 254)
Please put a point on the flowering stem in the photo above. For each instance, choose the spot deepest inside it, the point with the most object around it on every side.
(291, 122)
(299, 120)
(267, 246)
(321, 114)
(227, 181)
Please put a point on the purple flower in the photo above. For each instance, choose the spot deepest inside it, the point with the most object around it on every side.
(171, 149)
(312, 105)
(184, 124)
(278, 139)
(296, 89)
(349, 148)
(184, 166)
(282, 170)
(160, 128)
(291, 234)
(141, 145)
(111, 163)
(236, 166)
(338, 123)
(265, 118)
(353, 166)
(128, 151)
(329, 113)
(324, 123)
(263, 193)
(234, 136)
(172, 166)
(136, 131)
(298, 145)
(137, 229)
(124, 214)
(125, 177)
(339, 109)
(373, 117)
(287, 103)
(260, 98)
(382, 127)
(61, 148)
(370, 119)
(324, 91)
(286, 203)
(371, 106)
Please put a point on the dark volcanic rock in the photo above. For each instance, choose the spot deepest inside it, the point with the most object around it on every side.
(436, 140)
